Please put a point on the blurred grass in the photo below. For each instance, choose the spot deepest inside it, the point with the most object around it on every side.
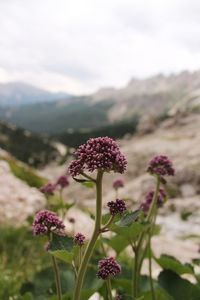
(21, 256)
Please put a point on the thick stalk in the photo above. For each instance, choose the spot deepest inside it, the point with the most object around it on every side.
(57, 278)
(109, 289)
(90, 247)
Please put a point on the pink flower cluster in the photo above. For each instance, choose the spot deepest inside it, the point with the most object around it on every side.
(149, 197)
(161, 165)
(117, 207)
(62, 181)
(79, 239)
(108, 267)
(101, 153)
(50, 188)
(45, 222)
(117, 184)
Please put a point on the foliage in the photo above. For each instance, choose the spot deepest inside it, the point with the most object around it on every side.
(55, 117)
(116, 131)
(26, 146)
(83, 267)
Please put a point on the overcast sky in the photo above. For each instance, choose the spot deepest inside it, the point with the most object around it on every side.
(79, 46)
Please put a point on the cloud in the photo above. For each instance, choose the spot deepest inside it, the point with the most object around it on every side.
(79, 46)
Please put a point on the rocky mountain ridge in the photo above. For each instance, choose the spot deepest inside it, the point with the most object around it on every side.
(153, 96)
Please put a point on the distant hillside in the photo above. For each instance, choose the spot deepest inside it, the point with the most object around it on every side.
(59, 116)
(18, 93)
(30, 148)
(153, 96)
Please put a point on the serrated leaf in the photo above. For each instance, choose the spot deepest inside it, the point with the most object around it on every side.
(128, 218)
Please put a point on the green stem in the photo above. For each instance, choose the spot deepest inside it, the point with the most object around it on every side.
(150, 269)
(106, 226)
(88, 177)
(135, 285)
(57, 278)
(142, 237)
(90, 247)
(109, 289)
(62, 204)
(154, 200)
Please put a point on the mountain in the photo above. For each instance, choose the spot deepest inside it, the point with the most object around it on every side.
(142, 97)
(152, 95)
(14, 94)
(33, 149)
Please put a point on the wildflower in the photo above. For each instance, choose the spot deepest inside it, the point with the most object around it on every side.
(161, 165)
(45, 222)
(100, 153)
(79, 239)
(48, 189)
(117, 207)
(108, 267)
(62, 181)
(118, 183)
(149, 197)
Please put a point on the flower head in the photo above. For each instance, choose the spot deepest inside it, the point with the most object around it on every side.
(100, 153)
(79, 239)
(118, 183)
(62, 181)
(149, 197)
(45, 222)
(117, 207)
(48, 189)
(108, 267)
(161, 165)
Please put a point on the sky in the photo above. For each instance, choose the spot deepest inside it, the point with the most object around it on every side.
(79, 46)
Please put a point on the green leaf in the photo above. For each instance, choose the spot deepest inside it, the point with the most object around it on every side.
(60, 242)
(118, 243)
(177, 287)
(196, 261)
(128, 219)
(156, 229)
(159, 294)
(63, 255)
(171, 263)
(88, 184)
(62, 247)
(132, 232)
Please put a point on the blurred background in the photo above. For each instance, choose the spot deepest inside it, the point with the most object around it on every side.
(70, 70)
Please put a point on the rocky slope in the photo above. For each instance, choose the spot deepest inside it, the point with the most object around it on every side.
(17, 199)
(179, 138)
